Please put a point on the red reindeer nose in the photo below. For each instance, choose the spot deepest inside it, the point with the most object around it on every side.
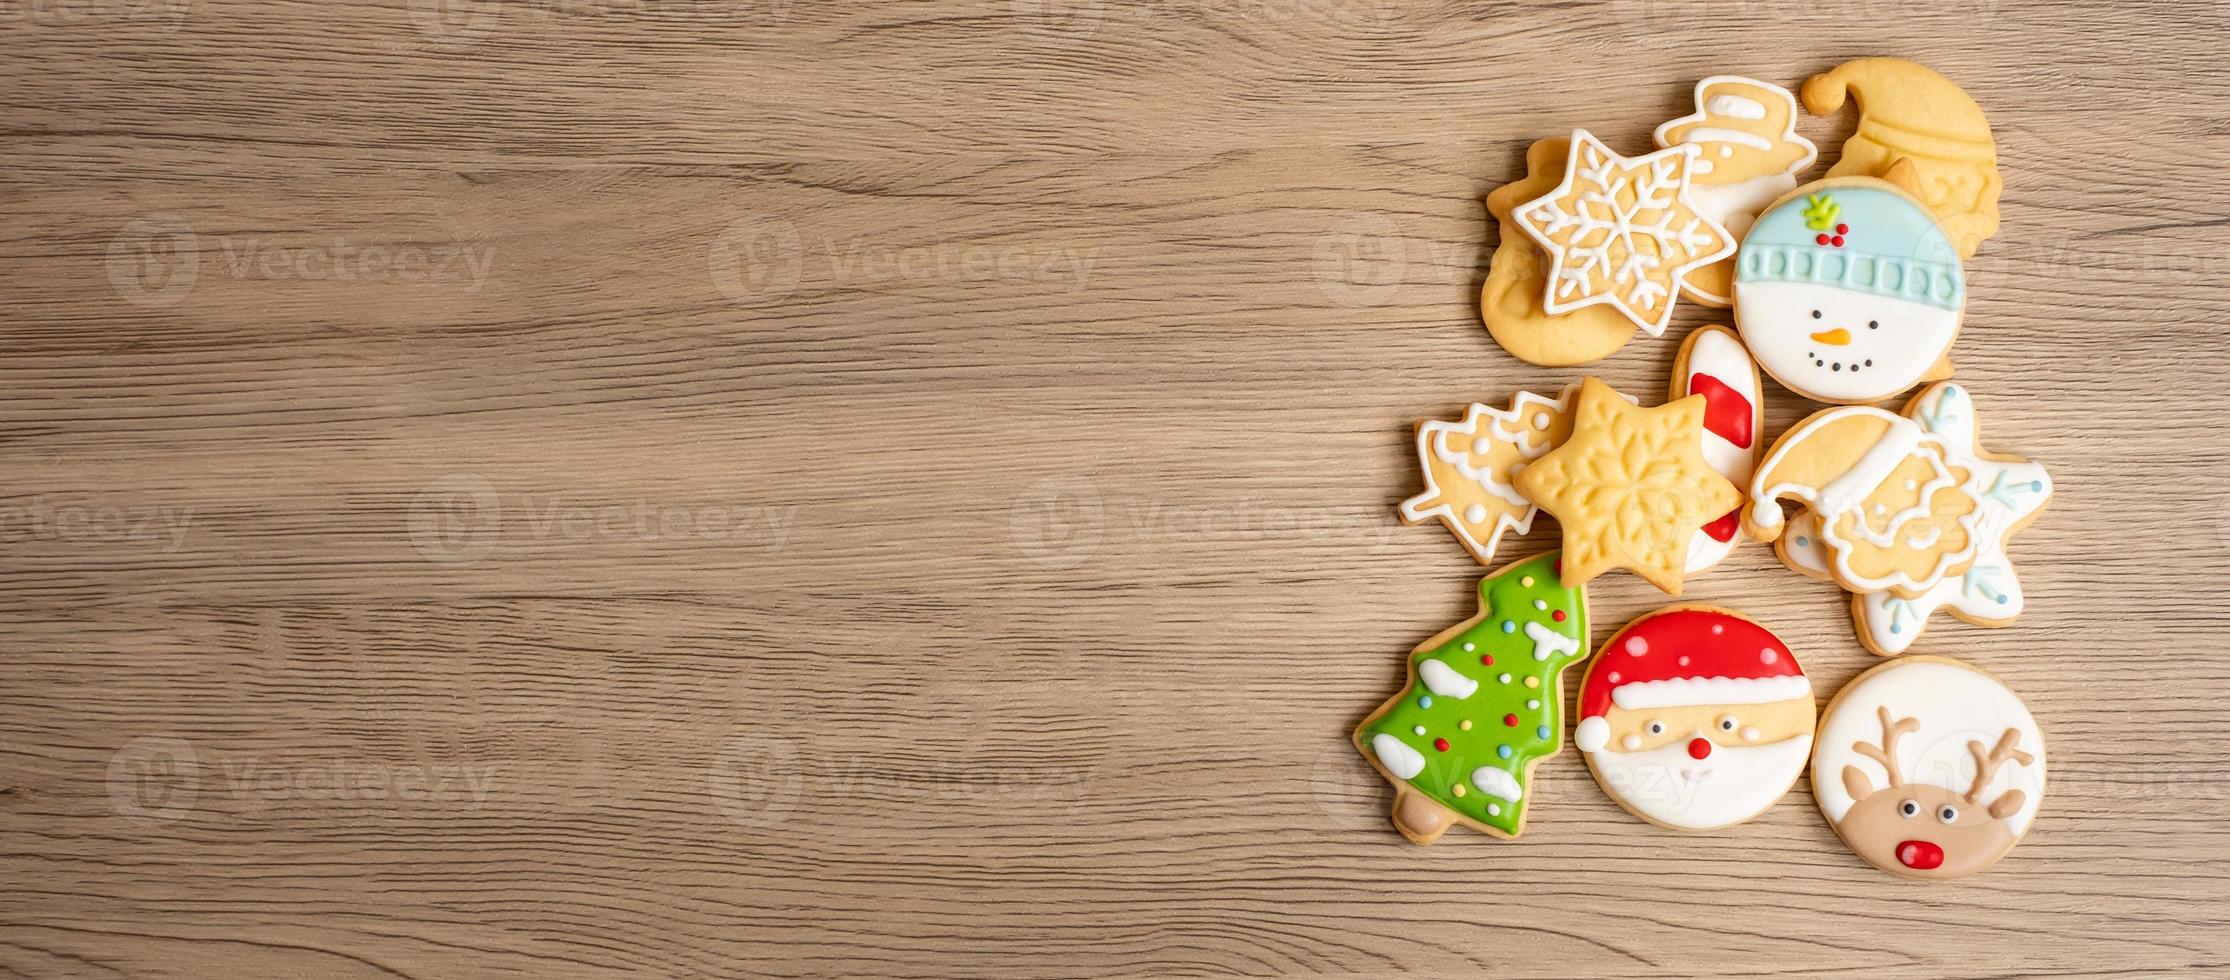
(1699, 748)
(1920, 855)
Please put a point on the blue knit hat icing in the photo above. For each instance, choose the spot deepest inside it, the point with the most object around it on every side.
(1893, 248)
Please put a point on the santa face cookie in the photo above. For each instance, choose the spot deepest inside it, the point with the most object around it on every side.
(1695, 718)
(1747, 155)
(1929, 768)
(1483, 706)
(1847, 291)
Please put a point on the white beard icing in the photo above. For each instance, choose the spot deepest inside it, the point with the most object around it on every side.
(1736, 783)
(1776, 323)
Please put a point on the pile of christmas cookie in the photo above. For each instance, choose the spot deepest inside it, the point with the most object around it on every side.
(1847, 290)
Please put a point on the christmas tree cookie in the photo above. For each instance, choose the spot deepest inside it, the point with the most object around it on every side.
(1483, 706)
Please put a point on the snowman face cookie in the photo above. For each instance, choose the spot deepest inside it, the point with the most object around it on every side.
(1695, 718)
(1847, 291)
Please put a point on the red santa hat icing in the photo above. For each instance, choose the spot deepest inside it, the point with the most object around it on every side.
(1685, 657)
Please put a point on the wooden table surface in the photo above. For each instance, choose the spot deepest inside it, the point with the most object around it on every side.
(642, 488)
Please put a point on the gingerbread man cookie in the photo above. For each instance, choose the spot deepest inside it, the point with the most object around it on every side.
(1748, 154)
(1518, 275)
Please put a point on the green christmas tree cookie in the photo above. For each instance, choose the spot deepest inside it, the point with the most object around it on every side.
(1484, 705)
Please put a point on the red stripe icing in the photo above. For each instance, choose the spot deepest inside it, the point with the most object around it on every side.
(1726, 412)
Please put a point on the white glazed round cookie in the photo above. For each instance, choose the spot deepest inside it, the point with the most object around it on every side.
(1929, 767)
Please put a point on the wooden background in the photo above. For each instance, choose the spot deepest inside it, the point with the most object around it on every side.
(638, 488)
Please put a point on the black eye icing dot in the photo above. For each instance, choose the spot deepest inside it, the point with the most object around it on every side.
(1869, 362)
(1838, 365)
(1873, 324)
(1815, 314)
(1816, 362)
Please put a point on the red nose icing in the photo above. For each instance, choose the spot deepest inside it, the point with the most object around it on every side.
(1699, 748)
(1920, 855)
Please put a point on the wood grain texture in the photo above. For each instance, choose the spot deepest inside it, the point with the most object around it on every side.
(654, 488)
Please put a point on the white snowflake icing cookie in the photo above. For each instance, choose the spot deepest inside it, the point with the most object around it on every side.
(1748, 154)
(1623, 232)
(1928, 767)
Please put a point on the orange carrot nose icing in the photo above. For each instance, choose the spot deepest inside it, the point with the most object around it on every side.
(1837, 336)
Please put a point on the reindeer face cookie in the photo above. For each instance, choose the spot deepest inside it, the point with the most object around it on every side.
(1929, 768)
(1747, 154)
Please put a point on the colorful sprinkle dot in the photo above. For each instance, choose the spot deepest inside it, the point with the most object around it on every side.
(1718, 628)
(1636, 646)
(1420, 729)
(1468, 647)
(1510, 720)
(1503, 751)
(1505, 678)
(1684, 660)
(1801, 542)
(1464, 724)
(1557, 615)
(1526, 582)
(1540, 603)
(1509, 626)
(1533, 682)
(1768, 655)
(1424, 700)
(1441, 744)
(1541, 732)
(1487, 659)
(1494, 809)
(1534, 703)
(1458, 789)
(1822, 238)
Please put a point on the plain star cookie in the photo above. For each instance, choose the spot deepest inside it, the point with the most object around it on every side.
(1695, 718)
(1622, 232)
(1929, 768)
(1630, 487)
(1518, 277)
(1910, 115)
(1484, 704)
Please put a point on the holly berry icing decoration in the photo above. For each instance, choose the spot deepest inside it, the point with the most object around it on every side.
(1482, 707)
(1848, 291)
(1695, 718)
(1929, 768)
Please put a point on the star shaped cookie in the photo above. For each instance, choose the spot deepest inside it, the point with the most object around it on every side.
(1622, 231)
(1630, 487)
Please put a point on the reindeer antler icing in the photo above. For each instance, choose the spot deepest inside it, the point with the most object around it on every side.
(1886, 754)
(1986, 763)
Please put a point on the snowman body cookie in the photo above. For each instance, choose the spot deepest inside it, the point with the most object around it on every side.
(1695, 718)
(1847, 291)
